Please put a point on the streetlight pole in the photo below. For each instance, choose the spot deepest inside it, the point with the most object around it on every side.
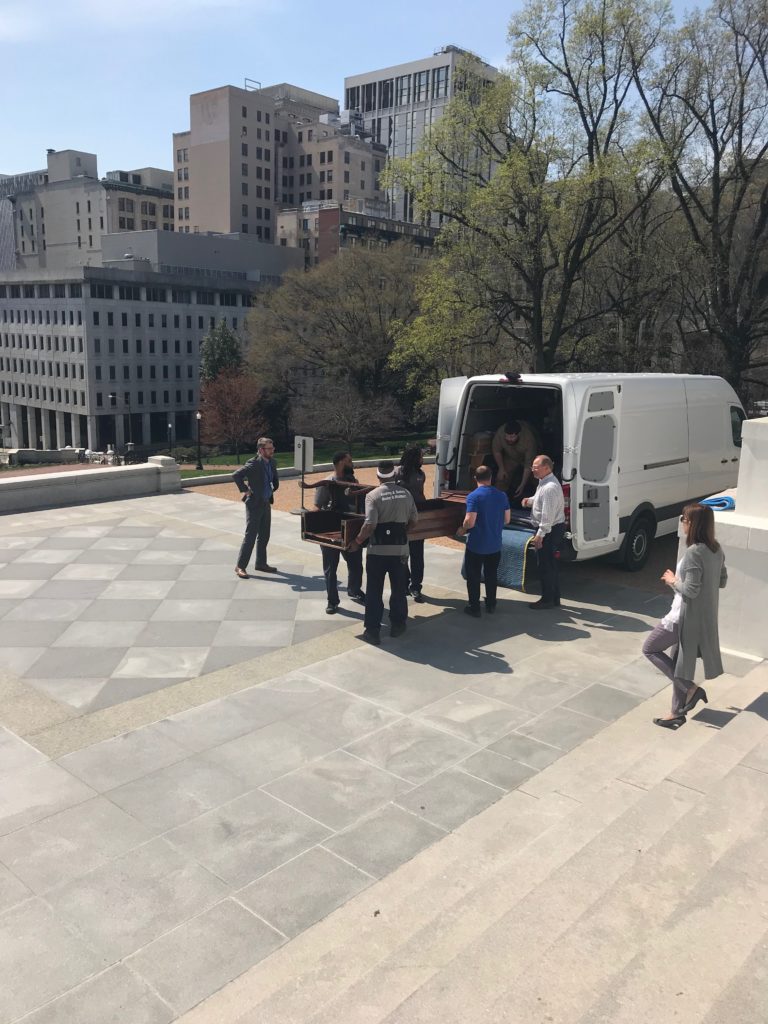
(170, 439)
(198, 417)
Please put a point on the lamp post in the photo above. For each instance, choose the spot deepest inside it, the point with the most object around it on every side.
(170, 439)
(198, 417)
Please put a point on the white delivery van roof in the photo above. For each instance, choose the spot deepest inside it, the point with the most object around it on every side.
(581, 381)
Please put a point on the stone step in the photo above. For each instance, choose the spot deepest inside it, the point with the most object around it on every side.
(491, 936)
(465, 894)
(636, 912)
(705, 943)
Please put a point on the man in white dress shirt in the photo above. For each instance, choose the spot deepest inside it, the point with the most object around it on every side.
(548, 516)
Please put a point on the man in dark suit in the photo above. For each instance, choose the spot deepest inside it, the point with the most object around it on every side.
(257, 480)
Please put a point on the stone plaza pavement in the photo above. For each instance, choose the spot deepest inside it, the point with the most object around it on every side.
(204, 779)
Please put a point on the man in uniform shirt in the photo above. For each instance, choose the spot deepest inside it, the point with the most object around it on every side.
(332, 493)
(548, 516)
(390, 512)
(514, 448)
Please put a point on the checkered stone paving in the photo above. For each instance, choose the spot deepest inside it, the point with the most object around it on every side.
(152, 866)
(135, 599)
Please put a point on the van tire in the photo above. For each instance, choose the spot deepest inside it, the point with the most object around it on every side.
(637, 543)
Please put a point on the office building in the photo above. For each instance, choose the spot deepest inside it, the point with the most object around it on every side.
(60, 221)
(91, 356)
(249, 152)
(397, 105)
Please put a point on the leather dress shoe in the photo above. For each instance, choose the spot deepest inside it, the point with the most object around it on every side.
(265, 568)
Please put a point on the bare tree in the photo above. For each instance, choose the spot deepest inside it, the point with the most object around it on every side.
(707, 103)
(340, 413)
(231, 414)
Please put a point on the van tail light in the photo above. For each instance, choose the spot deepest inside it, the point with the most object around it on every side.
(567, 505)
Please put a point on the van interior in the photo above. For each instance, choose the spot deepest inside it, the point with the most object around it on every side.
(489, 404)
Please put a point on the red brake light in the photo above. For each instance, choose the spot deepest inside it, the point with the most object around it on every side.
(567, 504)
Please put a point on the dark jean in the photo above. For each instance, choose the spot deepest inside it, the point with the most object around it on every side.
(258, 522)
(549, 573)
(415, 564)
(354, 560)
(377, 568)
(487, 567)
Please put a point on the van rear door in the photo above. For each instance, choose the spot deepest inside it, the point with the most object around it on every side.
(594, 490)
(451, 390)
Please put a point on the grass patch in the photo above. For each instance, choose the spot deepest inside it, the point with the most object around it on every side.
(392, 447)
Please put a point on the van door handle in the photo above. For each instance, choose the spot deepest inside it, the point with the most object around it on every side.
(736, 459)
(723, 460)
(589, 504)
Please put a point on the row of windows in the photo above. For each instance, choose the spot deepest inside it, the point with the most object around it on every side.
(67, 344)
(138, 371)
(41, 393)
(244, 111)
(399, 92)
(40, 291)
(166, 400)
(134, 293)
(111, 348)
(42, 368)
(48, 316)
(244, 145)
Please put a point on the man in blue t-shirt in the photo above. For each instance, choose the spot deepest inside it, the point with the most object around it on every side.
(487, 514)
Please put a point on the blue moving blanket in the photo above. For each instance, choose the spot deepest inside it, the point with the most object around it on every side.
(518, 558)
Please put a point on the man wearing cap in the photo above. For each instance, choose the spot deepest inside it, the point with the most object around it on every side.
(390, 512)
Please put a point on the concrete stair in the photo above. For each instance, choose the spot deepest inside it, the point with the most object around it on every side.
(625, 883)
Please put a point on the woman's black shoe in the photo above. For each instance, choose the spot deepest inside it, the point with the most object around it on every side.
(670, 723)
(698, 694)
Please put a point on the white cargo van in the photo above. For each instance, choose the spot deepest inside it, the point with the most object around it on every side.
(630, 449)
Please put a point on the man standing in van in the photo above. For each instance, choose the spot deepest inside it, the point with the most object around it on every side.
(514, 449)
(390, 512)
(548, 516)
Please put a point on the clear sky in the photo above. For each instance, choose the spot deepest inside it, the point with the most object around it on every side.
(113, 77)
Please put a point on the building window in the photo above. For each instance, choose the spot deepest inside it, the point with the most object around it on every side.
(244, 149)
(244, 188)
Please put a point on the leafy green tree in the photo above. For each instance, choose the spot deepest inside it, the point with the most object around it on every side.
(336, 323)
(533, 175)
(221, 352)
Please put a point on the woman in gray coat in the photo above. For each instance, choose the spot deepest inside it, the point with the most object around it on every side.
(690, 626)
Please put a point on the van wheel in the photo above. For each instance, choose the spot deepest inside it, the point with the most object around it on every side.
(637, 544)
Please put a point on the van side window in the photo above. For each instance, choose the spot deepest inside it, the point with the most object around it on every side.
(737, 418)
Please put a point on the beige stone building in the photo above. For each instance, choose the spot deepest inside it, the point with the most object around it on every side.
(250, 152)
(60, 221)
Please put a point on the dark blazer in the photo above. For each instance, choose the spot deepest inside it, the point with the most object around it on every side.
(250, 479)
